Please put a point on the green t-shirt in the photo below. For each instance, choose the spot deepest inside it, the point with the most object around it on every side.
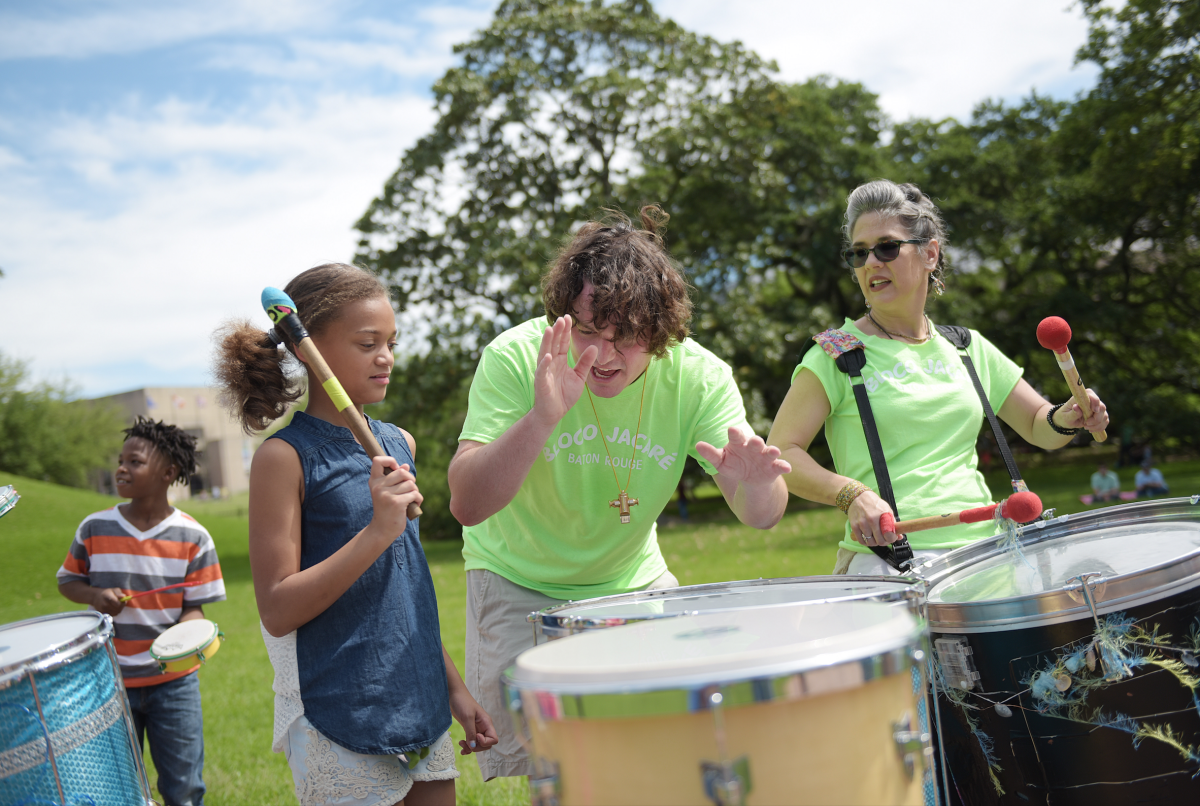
(928, 416)
(559, 535)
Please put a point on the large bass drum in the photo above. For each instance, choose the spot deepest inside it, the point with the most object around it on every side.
(1068, 659)
(719, 597)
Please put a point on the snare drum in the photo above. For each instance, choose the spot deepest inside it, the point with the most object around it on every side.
(799, 704)
(1071, 664)
(723, 597)
(60, 681)
(186, 645)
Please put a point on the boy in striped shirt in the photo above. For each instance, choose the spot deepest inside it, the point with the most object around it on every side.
(138, 546)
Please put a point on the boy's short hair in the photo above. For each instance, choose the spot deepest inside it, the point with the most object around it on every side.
(176, 444)
(640, 289)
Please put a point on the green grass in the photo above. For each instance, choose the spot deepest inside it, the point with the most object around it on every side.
(240, 768)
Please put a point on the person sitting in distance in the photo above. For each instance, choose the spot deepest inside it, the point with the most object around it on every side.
(1150, 481)
(1106, 486)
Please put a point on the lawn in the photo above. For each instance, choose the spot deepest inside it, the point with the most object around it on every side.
(239, 767)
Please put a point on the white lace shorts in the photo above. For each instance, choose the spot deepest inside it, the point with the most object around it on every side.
(327, 774)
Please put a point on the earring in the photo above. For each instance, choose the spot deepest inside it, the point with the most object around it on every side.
(939, 287)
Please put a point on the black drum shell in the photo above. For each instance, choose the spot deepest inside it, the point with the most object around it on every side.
(1048, 760)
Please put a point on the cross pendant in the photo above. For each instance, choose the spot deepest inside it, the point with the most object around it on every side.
(623, 503)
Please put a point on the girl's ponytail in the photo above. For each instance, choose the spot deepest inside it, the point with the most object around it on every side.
(250, 369)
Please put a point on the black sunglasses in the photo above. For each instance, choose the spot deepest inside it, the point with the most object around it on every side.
(887, 251)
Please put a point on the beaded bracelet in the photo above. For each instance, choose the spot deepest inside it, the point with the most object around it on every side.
(847, 494)
(1066, 432)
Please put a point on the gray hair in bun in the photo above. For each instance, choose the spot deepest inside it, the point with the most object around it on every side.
(905, 203)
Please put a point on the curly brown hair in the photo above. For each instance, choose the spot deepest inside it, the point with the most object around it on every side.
(250, 369)
(639, 288)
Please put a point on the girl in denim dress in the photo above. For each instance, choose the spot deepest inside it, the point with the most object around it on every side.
(364, 689)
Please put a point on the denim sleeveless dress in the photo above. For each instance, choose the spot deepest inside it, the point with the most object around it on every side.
(372, 677)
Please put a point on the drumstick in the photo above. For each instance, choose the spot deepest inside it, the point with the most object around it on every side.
(282, 310)
(160, 590)
(1019, 507)
(1055, 334)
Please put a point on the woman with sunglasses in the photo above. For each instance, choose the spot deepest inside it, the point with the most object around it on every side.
(924, 404)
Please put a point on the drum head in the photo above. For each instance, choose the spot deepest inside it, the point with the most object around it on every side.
(1137, 552)
(725, 596)
(26, 642)
(716, 648)
(183, 639)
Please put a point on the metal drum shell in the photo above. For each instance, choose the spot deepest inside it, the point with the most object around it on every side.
(568, 618)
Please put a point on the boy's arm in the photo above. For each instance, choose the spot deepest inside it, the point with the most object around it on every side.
(191, 612)
(106, 600)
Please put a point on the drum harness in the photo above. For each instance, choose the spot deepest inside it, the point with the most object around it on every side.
(849, 354)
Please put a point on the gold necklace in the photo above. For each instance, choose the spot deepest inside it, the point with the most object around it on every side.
(894, 336)
(622, 502)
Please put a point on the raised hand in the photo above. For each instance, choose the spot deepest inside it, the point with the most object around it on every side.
(1071, 416)
(745, 459)
(557, 385)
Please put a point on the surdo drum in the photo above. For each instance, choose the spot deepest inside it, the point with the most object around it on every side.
(1068, 660)
(790, 704)
(66, 735)
(721, 597)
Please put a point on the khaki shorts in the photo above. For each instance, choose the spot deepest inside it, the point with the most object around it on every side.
(496, 633)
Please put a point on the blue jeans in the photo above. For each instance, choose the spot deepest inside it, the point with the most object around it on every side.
(170, 713)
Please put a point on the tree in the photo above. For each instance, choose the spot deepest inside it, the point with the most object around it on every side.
(45, 434)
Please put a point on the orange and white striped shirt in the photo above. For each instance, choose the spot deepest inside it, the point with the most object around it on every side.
(109, 552)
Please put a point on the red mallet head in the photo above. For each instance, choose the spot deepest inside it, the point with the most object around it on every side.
(1054, 334)
(1022, 507)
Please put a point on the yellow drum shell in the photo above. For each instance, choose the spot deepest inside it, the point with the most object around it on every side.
(834, 749)
(186, 645)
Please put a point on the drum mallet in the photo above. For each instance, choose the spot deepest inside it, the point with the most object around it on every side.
(282, 310)
(1055, 334)
(1019, 507)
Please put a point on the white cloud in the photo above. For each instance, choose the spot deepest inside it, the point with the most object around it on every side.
(151, 281)
(131, 26)
(935, 58)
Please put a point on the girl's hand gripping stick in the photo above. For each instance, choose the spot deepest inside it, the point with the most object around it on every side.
(282, 310)
(1055, 334)
(1019, 507)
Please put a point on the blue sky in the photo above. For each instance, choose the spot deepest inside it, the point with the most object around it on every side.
(161, 162)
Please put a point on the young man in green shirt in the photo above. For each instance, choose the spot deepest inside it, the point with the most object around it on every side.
(577, 430)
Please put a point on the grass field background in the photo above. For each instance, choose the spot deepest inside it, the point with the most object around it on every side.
(240, 768)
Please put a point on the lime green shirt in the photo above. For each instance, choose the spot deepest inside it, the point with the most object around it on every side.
(929, 418)
(558, 535)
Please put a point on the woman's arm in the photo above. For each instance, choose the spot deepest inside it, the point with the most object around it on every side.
(1025, 410)
(477, 725)
(288, 597)
(799, 419)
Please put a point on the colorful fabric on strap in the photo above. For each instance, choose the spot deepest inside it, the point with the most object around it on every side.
(835, 342)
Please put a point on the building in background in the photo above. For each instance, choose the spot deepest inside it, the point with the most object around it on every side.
(225, 452)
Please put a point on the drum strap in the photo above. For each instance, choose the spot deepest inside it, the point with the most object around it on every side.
(850, 356)
(960, 337)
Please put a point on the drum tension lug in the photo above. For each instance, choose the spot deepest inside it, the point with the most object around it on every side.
(726, 783)
(954, 657)
(544, 789)
(910, 743)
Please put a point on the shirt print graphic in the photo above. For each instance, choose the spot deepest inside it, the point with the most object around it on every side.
(588, 438)
(902, 369)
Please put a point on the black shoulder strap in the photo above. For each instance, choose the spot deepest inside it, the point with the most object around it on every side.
(960, 337)
(899, 555)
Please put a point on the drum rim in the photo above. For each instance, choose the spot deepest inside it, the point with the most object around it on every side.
(216, 632)
(548, 619)
(1039, 609)
(62, 653)
(771, 684)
